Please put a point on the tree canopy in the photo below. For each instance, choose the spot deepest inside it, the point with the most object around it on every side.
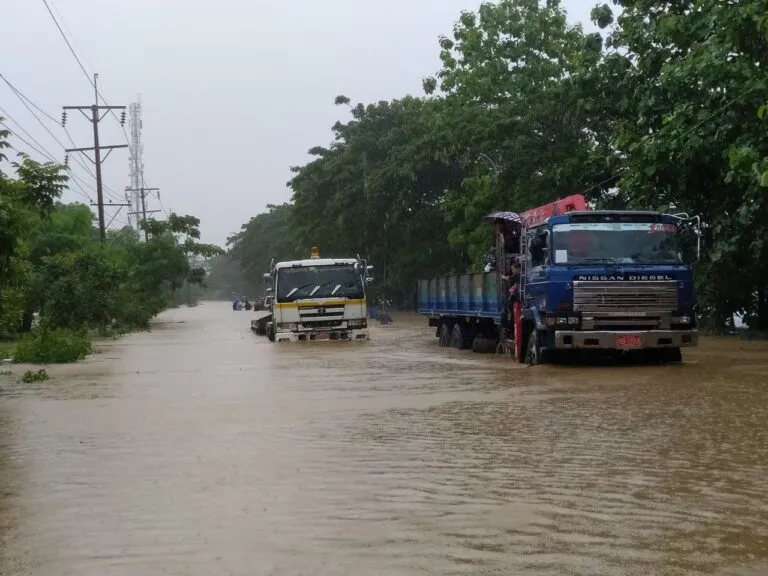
(664, 109)
(53, 265)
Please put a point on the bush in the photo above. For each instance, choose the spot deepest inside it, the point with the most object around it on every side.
(46, 346)
(30, 376)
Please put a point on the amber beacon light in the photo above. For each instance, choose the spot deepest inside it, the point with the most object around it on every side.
(314, 252)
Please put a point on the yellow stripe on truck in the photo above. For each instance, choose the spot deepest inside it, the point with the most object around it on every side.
(286, 305)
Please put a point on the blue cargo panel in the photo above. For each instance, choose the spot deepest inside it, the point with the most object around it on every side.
(460, 295)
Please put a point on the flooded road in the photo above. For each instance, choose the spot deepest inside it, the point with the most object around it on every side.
(202, 449)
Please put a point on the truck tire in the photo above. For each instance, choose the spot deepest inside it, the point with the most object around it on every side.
(533, 350)
(534, 355)
(271, 332)
(672, 355)
(459, 338)
(484, 345)
(445, 336)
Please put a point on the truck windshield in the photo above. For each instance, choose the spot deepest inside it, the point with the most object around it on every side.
(318, 282)
(615, 243)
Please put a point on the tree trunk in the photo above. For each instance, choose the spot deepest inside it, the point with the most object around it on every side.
(26, 322)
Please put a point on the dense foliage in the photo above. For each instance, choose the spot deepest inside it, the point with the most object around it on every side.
(664, 109)
(53, 266)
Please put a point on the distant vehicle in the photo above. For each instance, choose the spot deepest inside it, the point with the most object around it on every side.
(609, 280)
(317, 299)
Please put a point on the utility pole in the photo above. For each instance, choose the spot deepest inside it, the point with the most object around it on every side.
(95, 117)
(142, 192)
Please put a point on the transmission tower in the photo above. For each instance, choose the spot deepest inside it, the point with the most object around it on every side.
(135, 161)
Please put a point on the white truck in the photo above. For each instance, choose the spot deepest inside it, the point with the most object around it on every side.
(316, 299)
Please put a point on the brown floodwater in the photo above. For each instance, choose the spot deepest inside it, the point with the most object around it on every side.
(202, 449)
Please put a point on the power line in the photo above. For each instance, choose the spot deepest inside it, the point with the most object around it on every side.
(36, 149)
(142, 192)
(69, 33)
(21, 96)
(167, 215)
(27, 102)
(77, 58)
(47, 155)
(80, 63)
(110, 109)
(159, 200)
(79, 189)
(45, 152)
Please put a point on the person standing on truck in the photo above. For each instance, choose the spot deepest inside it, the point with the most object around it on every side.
(511, 285)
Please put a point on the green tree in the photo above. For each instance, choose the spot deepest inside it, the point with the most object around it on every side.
(378, 191)
(691, 83)
(24, 201)
(762, 113)
(512, 79)
(52, 263)
(266, 236)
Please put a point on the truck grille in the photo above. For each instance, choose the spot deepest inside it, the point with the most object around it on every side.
(321, 315)
(625, 298)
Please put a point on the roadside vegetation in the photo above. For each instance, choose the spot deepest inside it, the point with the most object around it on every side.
(59, 285)
(663, 109)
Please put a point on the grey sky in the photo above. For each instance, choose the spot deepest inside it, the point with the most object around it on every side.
(234, 92)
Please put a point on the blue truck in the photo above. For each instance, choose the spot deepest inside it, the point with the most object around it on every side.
(617, 282)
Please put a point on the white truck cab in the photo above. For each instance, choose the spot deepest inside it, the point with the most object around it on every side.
(318, 299)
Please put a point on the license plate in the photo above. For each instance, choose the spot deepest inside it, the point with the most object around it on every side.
(629, 341)
(325, 335)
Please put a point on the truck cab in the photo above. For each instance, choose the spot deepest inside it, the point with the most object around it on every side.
(318, 299)
(606, 280)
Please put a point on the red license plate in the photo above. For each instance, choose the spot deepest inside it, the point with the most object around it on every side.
(629, 341)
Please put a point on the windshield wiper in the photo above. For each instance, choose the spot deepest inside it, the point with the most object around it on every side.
(324, 284)
(299, 288)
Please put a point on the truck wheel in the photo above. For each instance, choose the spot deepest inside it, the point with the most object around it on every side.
(271, 332)
(484, 345)
(458, 338)
(534, 355)
(445, 336)
(673, 355)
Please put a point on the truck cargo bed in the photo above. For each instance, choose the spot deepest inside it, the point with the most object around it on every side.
(474, 295)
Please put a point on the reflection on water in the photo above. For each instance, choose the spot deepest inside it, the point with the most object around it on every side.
(202, 449)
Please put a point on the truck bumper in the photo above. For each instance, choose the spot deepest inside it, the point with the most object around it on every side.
(609, 339)
(341, 334)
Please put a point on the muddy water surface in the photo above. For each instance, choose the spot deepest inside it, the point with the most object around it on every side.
(202, 449)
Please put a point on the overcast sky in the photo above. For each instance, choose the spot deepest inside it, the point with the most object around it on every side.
(233, 92)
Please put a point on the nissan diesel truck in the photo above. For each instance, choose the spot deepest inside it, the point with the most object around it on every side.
(317, 299)
(604, 280)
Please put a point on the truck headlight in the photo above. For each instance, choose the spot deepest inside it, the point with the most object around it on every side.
(573, 320)
(561, 320)
(684, 319)
(357, 323)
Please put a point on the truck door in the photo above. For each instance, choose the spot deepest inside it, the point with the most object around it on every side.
(535, 272)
